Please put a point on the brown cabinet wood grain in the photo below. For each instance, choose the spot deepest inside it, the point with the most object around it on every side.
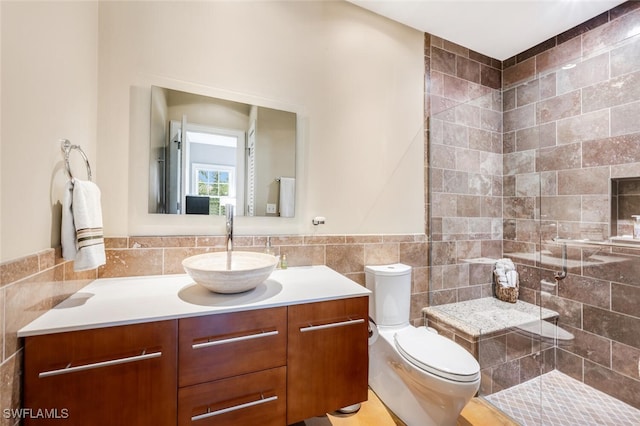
(124, 375)
(272, 366)
(250, 399)
(216, 346)
(231, 368)
(327, 364)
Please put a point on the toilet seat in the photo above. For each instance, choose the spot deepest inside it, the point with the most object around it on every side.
(437, 355)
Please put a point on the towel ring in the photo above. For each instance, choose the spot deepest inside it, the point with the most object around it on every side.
(66, 147)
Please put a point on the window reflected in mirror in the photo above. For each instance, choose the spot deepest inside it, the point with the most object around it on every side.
(208, 152)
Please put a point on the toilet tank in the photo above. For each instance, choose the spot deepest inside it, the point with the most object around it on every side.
(390, 303)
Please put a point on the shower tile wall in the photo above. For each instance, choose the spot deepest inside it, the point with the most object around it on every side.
(464, 107)
(585, 122)
(559, 136)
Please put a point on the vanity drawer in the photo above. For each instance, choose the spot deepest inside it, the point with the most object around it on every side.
(218, 346)
(251, 399)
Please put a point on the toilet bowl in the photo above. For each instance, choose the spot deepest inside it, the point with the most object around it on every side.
(424, 378)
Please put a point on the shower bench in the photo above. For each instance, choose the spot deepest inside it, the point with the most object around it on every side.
(513, 342)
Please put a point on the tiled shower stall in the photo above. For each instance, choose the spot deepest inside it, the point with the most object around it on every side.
(545, 159)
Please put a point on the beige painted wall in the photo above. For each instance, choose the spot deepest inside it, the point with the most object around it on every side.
(82, 71)
(355, 78)
(49, 91)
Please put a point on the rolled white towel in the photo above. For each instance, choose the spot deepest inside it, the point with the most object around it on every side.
(505, 264)
(506, 272)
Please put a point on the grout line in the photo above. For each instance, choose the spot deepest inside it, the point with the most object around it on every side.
(564, 401)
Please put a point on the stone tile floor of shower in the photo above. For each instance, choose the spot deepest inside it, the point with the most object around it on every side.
(562, 401)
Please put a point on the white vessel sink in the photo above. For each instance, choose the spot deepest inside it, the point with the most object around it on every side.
(230, 272)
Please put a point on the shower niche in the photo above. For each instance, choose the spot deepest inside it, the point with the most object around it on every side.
(625, 204)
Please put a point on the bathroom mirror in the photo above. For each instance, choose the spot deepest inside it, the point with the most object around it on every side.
(208, 152)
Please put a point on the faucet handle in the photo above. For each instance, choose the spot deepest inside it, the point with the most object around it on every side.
(229, 213)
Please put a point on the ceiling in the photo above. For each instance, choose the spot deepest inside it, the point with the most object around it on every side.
(497, 28)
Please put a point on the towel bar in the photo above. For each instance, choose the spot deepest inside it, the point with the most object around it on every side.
(66, 147)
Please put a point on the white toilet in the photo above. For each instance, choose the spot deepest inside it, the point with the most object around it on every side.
(424, 378)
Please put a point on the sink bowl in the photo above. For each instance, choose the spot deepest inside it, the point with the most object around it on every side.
(244, 272)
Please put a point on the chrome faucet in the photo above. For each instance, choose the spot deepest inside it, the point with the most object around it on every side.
(229, 242)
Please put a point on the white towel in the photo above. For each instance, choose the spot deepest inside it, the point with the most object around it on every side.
(287, 196)
(81, 234)
(506, 272)
(68, 231)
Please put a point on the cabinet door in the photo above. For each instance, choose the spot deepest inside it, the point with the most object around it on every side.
(250, 399)
(216, 346)
(327, 363)
(123, 375)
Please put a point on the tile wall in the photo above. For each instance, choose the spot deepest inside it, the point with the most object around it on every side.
(346, 254)
(29, 287)
(570, 126)
(525, 153)
(464, 110)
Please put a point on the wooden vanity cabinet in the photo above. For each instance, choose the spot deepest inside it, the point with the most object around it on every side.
(327, 364)
(123, 375)
(232, 370)
(268, 367)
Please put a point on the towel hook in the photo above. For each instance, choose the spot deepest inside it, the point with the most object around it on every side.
(66, 147)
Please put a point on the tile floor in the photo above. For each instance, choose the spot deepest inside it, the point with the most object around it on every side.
(565, 402)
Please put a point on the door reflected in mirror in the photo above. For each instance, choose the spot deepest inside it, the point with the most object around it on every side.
(208, 152)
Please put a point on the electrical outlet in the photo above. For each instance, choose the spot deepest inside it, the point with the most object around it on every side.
(271, 208)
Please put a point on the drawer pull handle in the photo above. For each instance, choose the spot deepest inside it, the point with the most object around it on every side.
(234, 339)
(208, 414)
(69, 369)
(332, 325)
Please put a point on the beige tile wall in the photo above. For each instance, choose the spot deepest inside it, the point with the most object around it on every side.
(29, 286)
(347, 254)
(464, 168)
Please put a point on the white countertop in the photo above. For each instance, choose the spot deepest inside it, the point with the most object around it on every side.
(108, 302)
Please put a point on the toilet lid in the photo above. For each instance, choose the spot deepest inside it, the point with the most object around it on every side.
(437, 355)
